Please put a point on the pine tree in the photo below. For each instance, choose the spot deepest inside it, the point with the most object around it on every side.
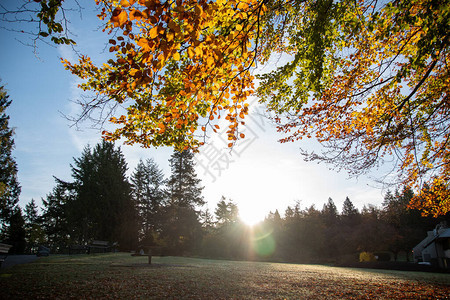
(33, 229)
(31, 213)
(330, 218)
(102, 208)
(16, 232)
(407, 225)
(226, 212)
(182, 228)
(348, 228)
(184, 189)
(55, 218)
(147, 182)
(348, 209)
(329, 212)
(9, 185)
(207, 220)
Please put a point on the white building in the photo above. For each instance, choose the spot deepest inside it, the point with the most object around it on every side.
(435, 248)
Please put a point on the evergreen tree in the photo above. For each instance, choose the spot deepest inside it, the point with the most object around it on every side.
(348, 209)
(329, 213)
(372, 226)
(329, 216)
(9, 185)
(183, 185)
(31, 213)
(226, 213)
(407, 226)
(349, 221)
(79, 212)
(102, 208)
(147, 182)
(16, 232)
(207, 220)
(350, 215)
(182, 228)
(55, 218)
(33, 229)
(289, 213)
(310, 242)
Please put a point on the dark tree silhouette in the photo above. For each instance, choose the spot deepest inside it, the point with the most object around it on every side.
(147, 188)
(182, 228)
(9, 185)
(102, 208)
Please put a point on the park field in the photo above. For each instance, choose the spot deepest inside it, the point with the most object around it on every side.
(121, 276)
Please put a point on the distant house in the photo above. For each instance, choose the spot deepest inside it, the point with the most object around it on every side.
(435, 248)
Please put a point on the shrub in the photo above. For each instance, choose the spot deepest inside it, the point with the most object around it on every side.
(366, 257)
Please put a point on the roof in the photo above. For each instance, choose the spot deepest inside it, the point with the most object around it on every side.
(443, 234)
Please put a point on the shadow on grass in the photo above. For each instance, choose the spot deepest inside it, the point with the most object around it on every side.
(121, 276)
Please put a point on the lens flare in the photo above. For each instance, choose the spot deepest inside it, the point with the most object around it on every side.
(263, 243)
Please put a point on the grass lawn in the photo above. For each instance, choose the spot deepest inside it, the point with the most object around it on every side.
(121, 276)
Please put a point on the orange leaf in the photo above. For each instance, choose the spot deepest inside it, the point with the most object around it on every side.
(191, 52)
(154, 32)
(124, 3)
(210, 61)
(198, 51)
(123, 17)
(135, 14)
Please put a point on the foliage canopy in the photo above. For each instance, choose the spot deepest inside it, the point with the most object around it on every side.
(368, 79)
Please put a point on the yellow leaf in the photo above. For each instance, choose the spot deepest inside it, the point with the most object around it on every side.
(210, 61)
(238, 27)
(198, 51)
(124, 3)
(242, 6)
(176, 56)
(133, 72)
(154, 32)
(190, 52)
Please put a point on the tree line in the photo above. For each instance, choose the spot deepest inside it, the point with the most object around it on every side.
(147, 209)
(311, 235)
(102, 203)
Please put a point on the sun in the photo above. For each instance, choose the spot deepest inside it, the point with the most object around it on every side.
(250, 216)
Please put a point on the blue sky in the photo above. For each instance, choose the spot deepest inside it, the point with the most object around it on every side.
(260, 174)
